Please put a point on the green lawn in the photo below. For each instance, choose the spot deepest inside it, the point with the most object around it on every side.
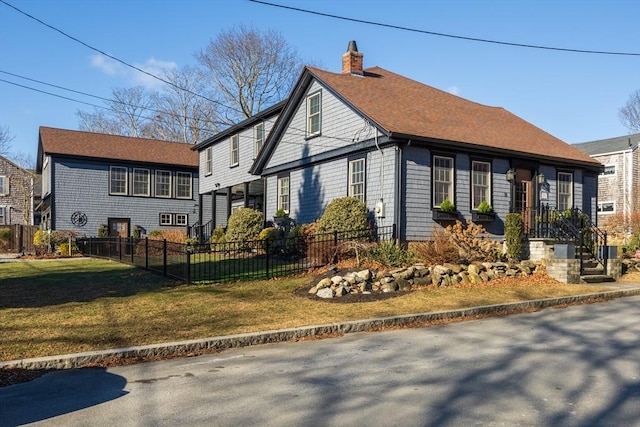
(69, 306)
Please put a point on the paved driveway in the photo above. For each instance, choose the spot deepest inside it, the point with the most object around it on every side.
(578, 366)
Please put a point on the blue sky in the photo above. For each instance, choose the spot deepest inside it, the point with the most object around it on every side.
(574, 96)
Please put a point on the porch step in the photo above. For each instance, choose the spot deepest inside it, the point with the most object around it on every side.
(597, 278)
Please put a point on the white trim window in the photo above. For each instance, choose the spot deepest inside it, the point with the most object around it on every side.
(235, 150)
(565, 191)
(141, 185)
(4, 185)
(442, 180)
(608, 171)
(480, 183)
(356, 179)
(606, 207)
(314, 110)
(183, 185)
(258, 139)
(283, 194)
(163, 183)
(118, 180)
(182, 219)
(208, 161)
(166, 219)
(3, 215)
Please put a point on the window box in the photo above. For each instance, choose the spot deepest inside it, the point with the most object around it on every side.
(439, 215)
(483, 217)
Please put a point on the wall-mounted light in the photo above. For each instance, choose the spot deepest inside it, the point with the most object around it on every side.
(511, 175)
(540, 178)
(217, 184)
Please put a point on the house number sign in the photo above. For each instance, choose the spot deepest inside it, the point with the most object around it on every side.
(79, 218)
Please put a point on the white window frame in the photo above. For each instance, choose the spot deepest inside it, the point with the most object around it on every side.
(258, 138)
(163, 173)
(3, 215)
(182, 175)
(208, 161)
(182, 219)
(608, 202)
(234, 143)
(118, 169)
(561, 193)
(314, 114)
(485, 187)
(4, 185)
(443, 175)
(166, 219)
(136, 174)
(604, 173)
(284, 193)
(357, 179)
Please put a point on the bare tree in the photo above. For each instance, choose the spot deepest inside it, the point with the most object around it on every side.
(630, 113)
(5, 140)
(250, 70)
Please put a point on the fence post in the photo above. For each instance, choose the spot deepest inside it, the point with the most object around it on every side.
(146, 253)
(120, 248)
(164, 257)
(266, 251)
(188, 265)
(132, 248)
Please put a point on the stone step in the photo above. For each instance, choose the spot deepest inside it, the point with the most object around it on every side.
(597, 278)
(592, 271)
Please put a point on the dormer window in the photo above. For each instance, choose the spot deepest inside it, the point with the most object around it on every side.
(313, 114)
(258, 138)
(235, 148)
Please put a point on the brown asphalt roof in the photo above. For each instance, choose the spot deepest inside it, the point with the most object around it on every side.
(409, 108)
(104, 146)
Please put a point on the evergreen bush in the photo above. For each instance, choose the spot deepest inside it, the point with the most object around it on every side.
(513, 229)
(244, 224)
(344, 214)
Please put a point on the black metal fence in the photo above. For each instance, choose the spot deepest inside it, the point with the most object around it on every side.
(231, 261)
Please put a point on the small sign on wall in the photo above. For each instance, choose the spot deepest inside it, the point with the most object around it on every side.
(544, 195)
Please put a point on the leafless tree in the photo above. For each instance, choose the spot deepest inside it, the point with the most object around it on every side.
(5, 140)
(630, 113)
(250, 70)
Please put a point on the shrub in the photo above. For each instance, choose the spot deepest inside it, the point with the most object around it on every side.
(389, 254)
(270, 235)
(447, 206)
(244, 224)
(137, 232)
(513, 229)
(63, 249)
(5, 238)
(344, 214)
(42, 242)
(473, 242)
(217, 236)
(485, 207)
(103, 231)
(436, 251)
(170, 235)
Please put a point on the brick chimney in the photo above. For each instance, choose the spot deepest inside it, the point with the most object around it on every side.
(352, 60)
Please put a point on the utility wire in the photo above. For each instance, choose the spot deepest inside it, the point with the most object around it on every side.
(453, 36)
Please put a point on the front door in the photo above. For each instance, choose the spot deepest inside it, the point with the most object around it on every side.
(524, 198)
(119, 227)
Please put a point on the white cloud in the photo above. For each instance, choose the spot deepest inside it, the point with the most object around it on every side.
(134, 77)
(106, 65)
(455, 90)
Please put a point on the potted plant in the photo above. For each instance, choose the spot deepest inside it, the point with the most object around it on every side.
(447, 211)
(484, 212)
(280, 216)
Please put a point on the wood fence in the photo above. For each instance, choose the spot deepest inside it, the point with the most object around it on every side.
(20, 238)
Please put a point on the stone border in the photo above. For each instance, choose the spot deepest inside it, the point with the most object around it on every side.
(173, 349)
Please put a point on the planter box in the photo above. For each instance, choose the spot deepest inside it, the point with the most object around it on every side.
(444, 216)
(483, 217)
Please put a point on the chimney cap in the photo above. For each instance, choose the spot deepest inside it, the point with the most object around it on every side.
(353, 47)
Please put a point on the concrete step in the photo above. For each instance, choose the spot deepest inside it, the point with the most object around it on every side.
(596, 278)
(592, 271)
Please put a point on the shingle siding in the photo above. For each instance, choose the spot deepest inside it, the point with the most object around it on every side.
(17, 205)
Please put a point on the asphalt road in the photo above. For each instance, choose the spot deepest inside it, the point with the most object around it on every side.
(578, 366)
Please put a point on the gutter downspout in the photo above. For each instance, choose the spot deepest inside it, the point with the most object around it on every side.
(397, 197)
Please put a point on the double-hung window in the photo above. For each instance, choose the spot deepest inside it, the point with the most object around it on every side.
(4, 185)
(3, 215)
(118, 180)
(183, 185)
(480, 183)
(356, 179)
(258, 138)
(141, 182)
(235, 148)
(442, 180)
(163, 183)
(313, 114)
(283, 193)
(208, 161)
(565, 191)
(609, 170)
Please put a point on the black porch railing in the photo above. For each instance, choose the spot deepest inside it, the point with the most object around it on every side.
(202, 232)
(230, 261)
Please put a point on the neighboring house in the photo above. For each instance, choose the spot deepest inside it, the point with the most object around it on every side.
(619, 181)
(403, 148)
(92, 179)
(225, 160)
(18, 193)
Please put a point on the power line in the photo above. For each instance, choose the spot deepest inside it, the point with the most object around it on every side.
(453, 36)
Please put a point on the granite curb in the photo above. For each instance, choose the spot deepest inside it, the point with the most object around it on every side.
(176, 349)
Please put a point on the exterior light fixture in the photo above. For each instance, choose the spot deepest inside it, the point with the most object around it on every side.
(511, 175)
(540, 178)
